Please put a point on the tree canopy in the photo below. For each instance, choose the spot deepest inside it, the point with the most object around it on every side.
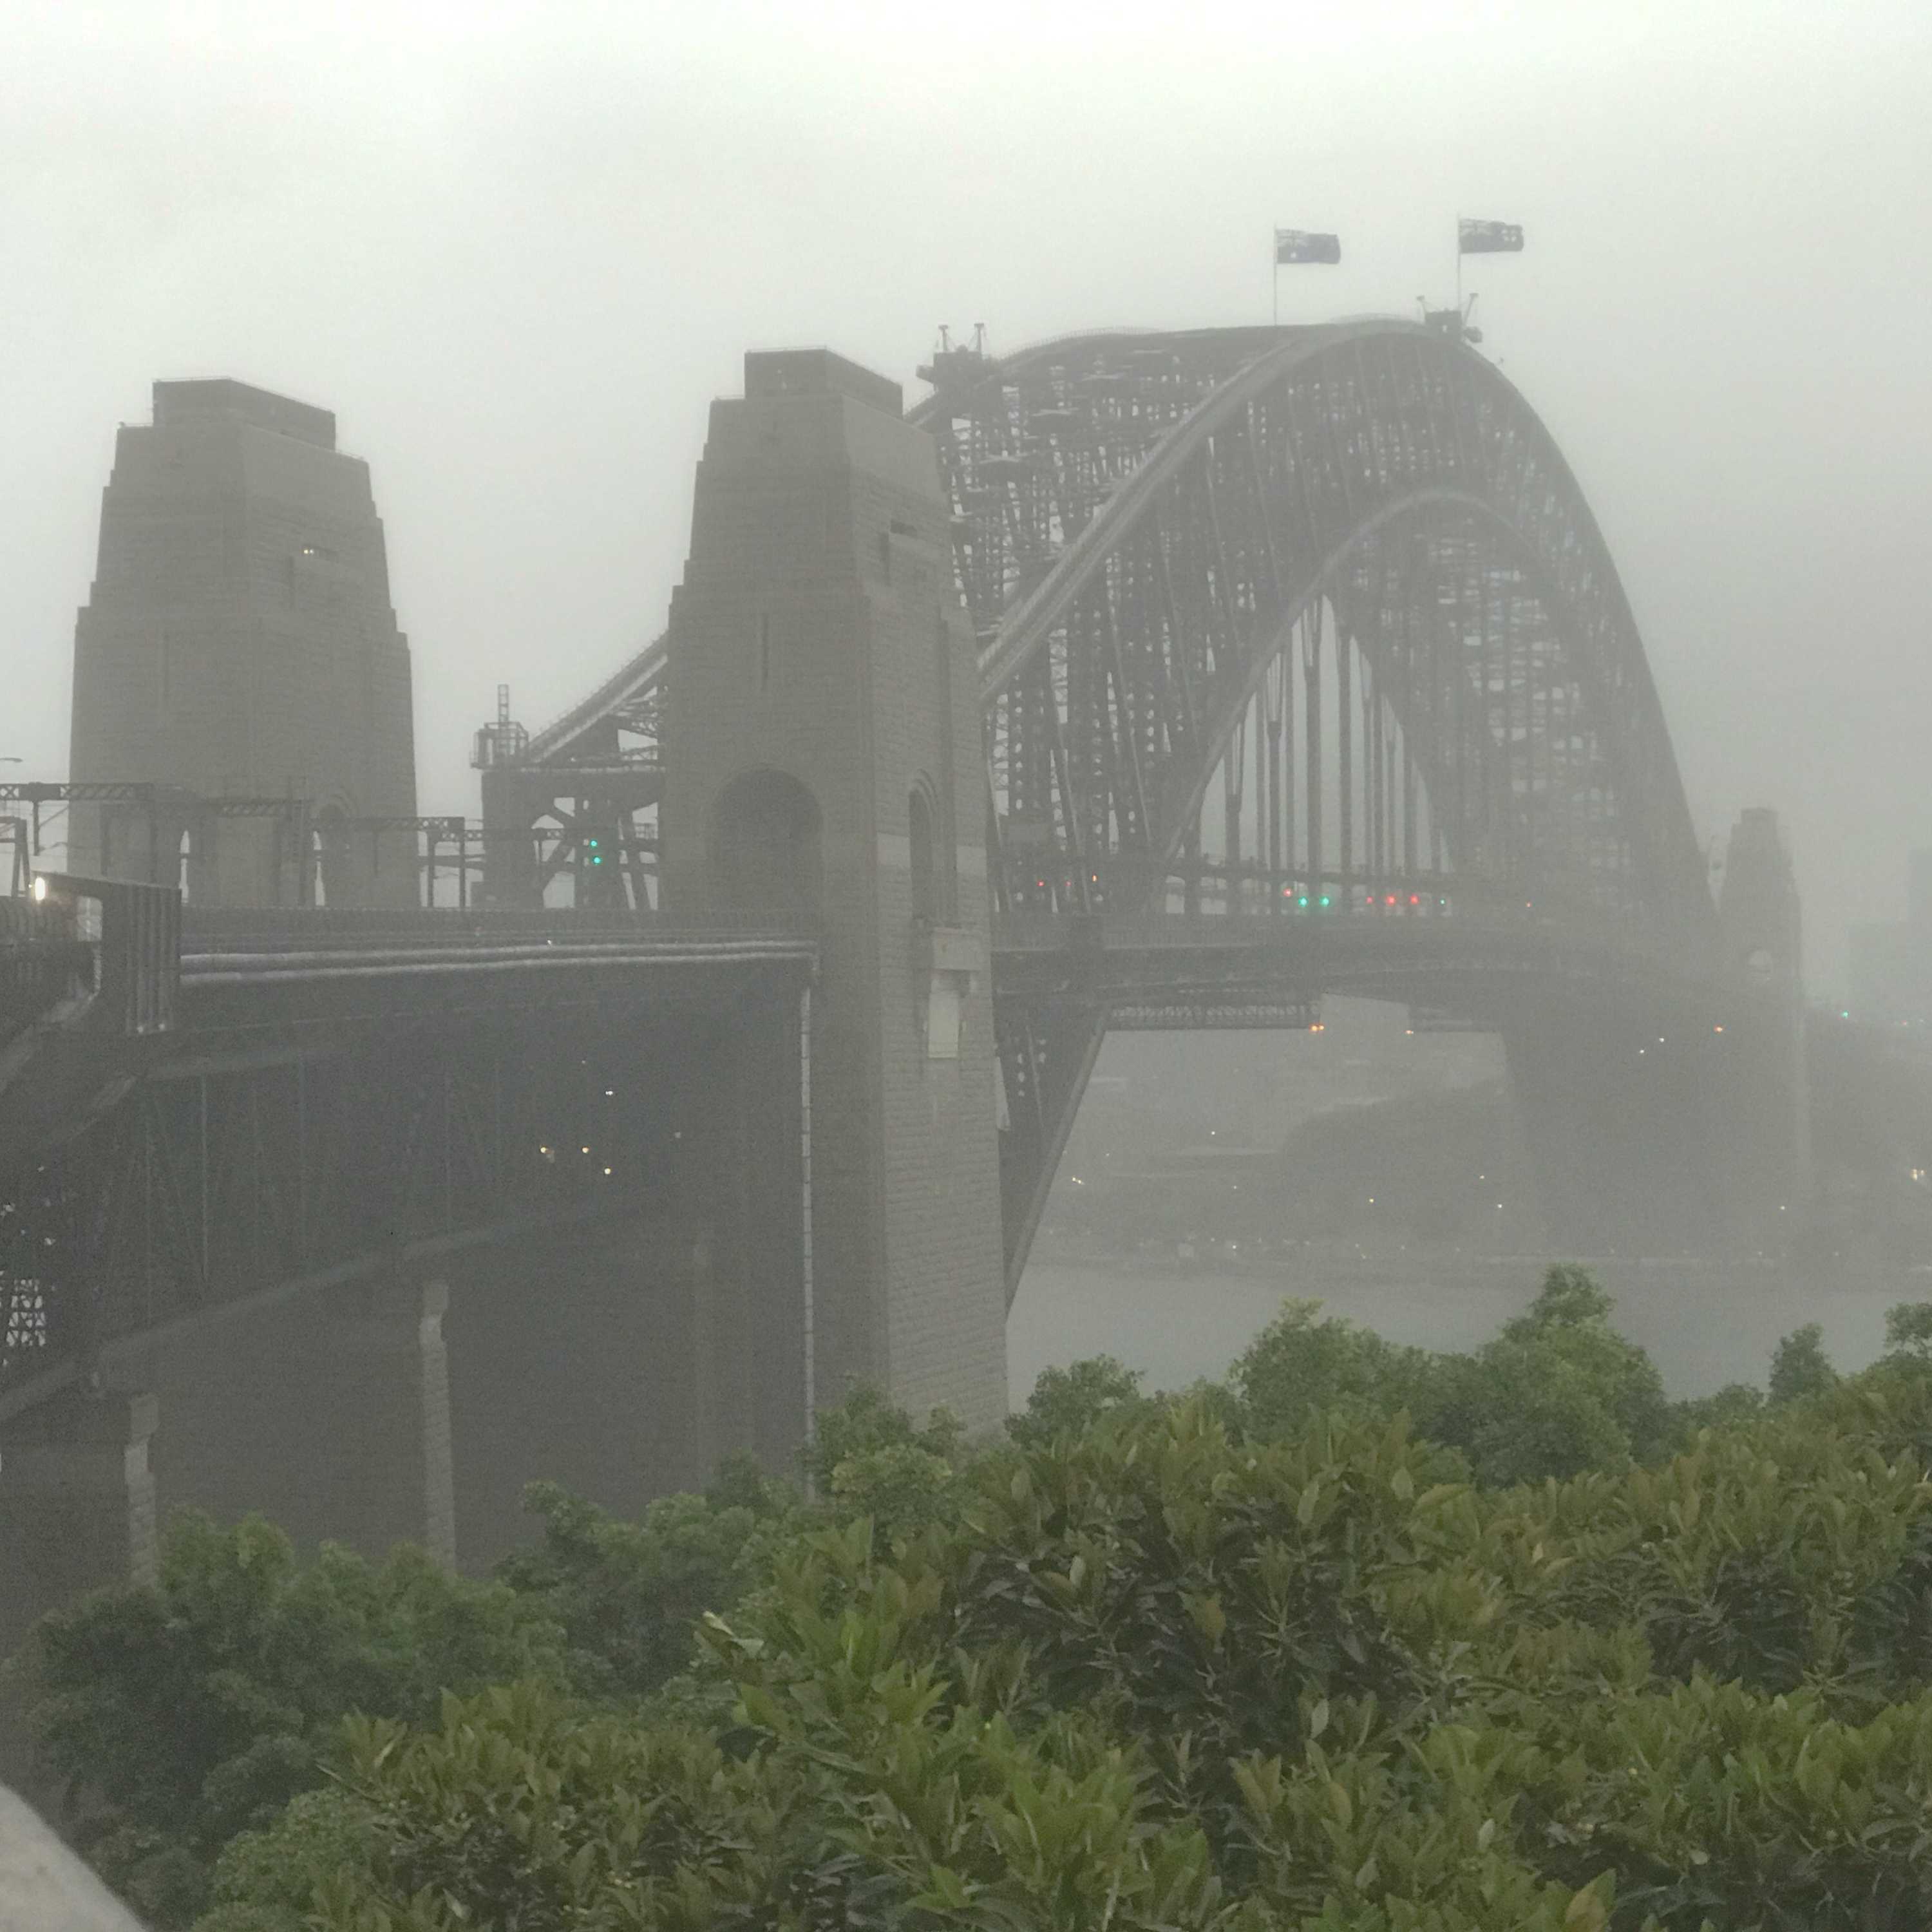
(1267, 1656)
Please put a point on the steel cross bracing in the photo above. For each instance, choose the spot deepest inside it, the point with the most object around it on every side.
(1266, 615)
(340, 1092)
(1272, 619)
(205, 1187)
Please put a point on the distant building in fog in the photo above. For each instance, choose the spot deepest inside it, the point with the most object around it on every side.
(1892, 965)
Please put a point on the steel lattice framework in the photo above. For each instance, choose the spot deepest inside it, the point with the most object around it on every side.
(1345, 571)
(1269, 620)
(1162, 540)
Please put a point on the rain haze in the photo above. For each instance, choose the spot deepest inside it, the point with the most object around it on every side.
(1185, 1005)
(518, 250)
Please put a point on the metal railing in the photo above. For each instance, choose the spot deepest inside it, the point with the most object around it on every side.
(268, 928)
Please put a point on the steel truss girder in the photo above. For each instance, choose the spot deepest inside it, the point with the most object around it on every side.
(203, 1188)
(1376, 495)
(1145, 524)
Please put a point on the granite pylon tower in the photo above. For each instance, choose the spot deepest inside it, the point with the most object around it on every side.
(239, 652)
(823, 764)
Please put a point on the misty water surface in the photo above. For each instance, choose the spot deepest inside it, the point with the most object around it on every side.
(1177, 1328)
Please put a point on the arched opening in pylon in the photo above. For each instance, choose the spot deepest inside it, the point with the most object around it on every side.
(766, 846)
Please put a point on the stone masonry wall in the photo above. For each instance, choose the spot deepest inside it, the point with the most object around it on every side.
(817, 634)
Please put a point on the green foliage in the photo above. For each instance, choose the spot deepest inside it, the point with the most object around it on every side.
(1198, 1594)
(1735, 1402)
(866, 1422)
(1216, 1663)
(517, 1810)
(1558, 1392)
(1908, 1332)
(627, 1595)
(867, 1458)
(268, 1880)
(1303, 1362)
(183, 1712)
(1163, 1672)
(1068, 1402)
(1799, 1367)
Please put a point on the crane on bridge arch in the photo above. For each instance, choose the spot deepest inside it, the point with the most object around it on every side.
(1340, 576)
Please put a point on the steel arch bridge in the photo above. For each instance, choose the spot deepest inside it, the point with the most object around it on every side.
(1271, 622)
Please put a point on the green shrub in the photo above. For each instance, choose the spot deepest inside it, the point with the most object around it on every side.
(1216, 1662)
(183, 1712)
(1799, 1367)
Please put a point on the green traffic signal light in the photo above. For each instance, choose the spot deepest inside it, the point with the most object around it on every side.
(1325, 900)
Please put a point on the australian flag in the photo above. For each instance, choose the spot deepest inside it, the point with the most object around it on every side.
(1298, 245)
(1488, 237)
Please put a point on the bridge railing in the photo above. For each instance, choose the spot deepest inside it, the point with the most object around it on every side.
(265, 929)
(1046, 904)
(44, 964)
(1450, 929)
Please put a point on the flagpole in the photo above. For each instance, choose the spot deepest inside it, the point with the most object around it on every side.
(1274, 278)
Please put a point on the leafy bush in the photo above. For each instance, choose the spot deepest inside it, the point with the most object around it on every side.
(1068, 1402)
(626, 1595)
(181, 1712)
(1302, 1364)
(1799, 1367)
(1274, 1657)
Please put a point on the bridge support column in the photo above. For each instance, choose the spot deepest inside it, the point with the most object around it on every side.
(509, 841)
(823, 761)
(392, 1474)
(77, 1505)
(746, 1275)
(327, 1412)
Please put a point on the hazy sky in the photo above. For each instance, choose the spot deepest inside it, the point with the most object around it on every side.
(518, 248)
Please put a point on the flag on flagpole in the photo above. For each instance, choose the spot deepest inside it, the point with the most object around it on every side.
(1488, 237)
(1294, 245)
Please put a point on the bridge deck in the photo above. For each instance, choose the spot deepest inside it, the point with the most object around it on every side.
(1471, 964)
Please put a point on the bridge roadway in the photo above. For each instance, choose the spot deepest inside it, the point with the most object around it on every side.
(310, 1092)
(319, 1096)
(1469, 963)
(311, 1102)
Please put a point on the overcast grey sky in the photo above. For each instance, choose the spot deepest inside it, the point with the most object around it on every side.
(517, 249)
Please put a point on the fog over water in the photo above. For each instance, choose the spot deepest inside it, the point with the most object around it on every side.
(1702, 1328)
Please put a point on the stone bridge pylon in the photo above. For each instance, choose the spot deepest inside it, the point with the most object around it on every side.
(238, 661)
(822, 757)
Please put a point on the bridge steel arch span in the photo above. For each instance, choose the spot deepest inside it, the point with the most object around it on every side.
(1146, 584)
(1346, 572)
(1201, 555)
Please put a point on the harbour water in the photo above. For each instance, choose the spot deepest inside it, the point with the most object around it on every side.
(1705, 1325)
